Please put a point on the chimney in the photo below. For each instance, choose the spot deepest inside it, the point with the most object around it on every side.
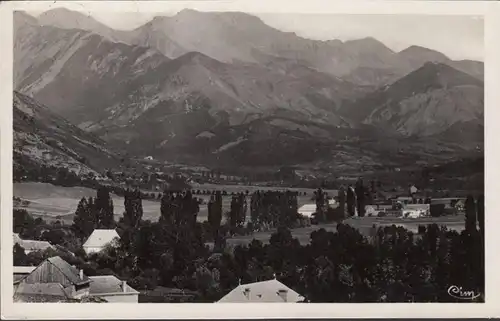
(81, 274)
(247, 293)
(283, 294)
(124, 286)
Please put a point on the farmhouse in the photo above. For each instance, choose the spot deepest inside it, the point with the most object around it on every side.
(55, 277)
(415, 211)
(57, 281)
(260, 292)
(31, 245)
(99, 239)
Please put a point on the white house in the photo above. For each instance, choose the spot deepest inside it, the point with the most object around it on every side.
(307, 210)
(99, 239)
(261, 292)
(112, 289)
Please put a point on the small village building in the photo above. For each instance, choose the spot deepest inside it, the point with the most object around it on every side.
(55, 270)
(99, 239)
(307, 210)
(31, 245)
(375, 209)
(112, 289)
(55, 280)
(262, 292)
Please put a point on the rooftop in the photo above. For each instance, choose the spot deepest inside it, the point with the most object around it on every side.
(100, 238)
(72, 273)
(265, 291)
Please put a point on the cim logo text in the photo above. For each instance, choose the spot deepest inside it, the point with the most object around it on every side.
(459, 293)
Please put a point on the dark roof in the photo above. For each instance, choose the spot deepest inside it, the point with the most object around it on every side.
(72, 273)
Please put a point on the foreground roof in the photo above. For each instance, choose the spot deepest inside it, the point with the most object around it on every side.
(100, 238)
(106, 284)
(265, 291)
(72, 273)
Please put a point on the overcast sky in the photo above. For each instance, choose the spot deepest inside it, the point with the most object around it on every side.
(458, 37)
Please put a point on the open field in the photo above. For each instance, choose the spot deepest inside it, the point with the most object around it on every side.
(57, 202)
(50, 202)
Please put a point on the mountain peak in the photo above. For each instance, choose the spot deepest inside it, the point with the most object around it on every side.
(188, 11)
(422, 51)
(196, 57)
(68, 19)
(24, 17)
(369, 44)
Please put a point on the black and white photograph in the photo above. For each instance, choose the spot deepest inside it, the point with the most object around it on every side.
(190, 154)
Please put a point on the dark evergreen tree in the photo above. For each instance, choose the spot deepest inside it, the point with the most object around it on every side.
(133, 208)
(360, 197)
(470, 215)
(350, 201)
(215, 213)
(84, 221)
(320, 205)
(104, 209)
(342, 200)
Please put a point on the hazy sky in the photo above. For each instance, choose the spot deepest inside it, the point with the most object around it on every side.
(458, 37)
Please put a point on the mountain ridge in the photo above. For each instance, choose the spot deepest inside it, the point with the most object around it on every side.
(239, 35)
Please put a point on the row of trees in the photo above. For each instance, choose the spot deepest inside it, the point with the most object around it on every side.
(94, 213)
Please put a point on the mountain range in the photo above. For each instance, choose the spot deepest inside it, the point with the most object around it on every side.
(226, 87)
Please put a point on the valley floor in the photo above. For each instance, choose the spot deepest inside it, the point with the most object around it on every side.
(59, 203)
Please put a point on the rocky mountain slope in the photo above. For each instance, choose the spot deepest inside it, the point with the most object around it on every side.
(428, 101)
(76, 72)
(44, 138)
